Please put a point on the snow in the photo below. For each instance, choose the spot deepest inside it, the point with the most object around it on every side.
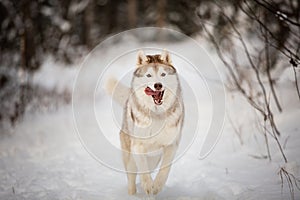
(55, 76)
(281, 15)
(44, 158)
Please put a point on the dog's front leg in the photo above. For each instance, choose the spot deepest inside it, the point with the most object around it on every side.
(140, 157)
(129, 162)
(161, 178)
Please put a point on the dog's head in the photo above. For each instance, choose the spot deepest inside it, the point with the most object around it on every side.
(155, 81)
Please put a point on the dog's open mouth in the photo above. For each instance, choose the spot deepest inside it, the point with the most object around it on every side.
(157, 95)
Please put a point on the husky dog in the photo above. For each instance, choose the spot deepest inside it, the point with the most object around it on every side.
(153, 120)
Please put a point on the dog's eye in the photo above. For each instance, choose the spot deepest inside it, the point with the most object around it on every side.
(148, 75)
(163, 74)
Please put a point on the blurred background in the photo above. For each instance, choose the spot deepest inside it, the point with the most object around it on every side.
(32, 30)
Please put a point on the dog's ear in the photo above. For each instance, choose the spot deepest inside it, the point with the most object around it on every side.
(165, 56)
(142, 58)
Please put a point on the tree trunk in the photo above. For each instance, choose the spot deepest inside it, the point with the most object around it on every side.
(88, 35)
(161, 11)
(132, 18)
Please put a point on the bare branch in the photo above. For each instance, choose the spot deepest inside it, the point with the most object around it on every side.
(276, 12)
(256, 18)
(236, 130)
(269, 73)
(296, 82)
(231, 72)
(267, 141)
(268, 115)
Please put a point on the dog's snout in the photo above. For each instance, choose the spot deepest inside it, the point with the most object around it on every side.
(157, 86)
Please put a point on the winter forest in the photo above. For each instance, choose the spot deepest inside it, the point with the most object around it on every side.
(238, 63)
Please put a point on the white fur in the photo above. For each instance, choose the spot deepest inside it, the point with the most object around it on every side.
(154, 130)
(117, 90)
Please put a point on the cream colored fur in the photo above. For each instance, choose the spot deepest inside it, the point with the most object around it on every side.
(150, 133)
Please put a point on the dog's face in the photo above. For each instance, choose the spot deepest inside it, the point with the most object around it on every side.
(155, 82)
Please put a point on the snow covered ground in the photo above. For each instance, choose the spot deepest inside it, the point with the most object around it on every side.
(44, 158)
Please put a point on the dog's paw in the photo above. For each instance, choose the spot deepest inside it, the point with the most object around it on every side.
(147, 185)
(157, 187)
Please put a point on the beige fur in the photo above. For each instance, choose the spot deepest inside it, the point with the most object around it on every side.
(150, 133)
(122, 93)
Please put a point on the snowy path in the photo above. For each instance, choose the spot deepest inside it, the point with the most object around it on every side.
(44, 159)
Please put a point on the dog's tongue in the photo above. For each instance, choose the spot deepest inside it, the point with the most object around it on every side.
(149, 91)
(156, 95)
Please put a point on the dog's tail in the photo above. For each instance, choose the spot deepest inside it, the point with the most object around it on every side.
(117, 90)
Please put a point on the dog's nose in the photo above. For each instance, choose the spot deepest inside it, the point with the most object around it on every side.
(157, 86)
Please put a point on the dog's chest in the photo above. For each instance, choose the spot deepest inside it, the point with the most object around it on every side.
(150, 129)
(158, 132)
